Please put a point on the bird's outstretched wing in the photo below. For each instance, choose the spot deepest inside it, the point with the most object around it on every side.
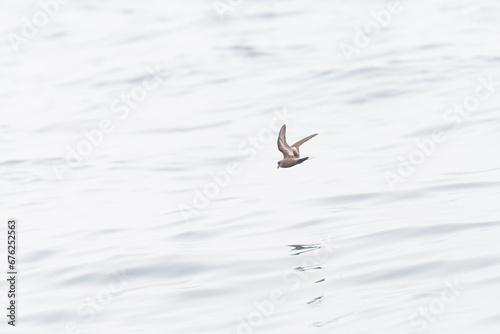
(295, 147)
(282, 145)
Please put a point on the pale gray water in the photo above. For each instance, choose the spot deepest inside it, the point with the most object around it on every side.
(345, 253)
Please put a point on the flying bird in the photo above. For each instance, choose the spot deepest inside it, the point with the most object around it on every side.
(291, 155)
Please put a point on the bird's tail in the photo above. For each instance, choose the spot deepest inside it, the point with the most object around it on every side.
(301, 160)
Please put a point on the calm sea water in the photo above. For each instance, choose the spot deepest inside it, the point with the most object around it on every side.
(139, 155)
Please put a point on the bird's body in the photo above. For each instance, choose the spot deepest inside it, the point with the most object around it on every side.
(291, 154)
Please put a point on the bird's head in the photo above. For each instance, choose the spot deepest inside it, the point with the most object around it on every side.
(279, 163)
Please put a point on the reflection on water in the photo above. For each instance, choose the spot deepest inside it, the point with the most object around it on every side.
(300, 249)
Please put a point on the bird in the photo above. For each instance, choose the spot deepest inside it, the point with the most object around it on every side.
(291, 155)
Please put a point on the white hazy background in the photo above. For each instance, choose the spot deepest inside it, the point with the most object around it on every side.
(388, 255)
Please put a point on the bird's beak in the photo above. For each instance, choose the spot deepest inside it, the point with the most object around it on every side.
(277, 167)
